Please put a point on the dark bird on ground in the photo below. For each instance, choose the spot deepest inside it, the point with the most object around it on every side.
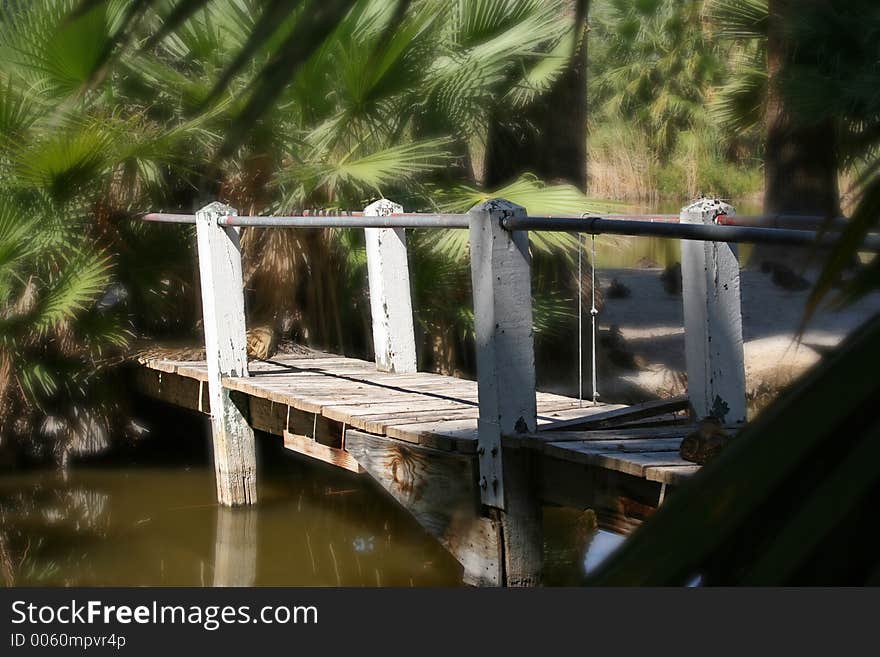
(617, 290)
(671, 278)
(616, 351)
(785, 277)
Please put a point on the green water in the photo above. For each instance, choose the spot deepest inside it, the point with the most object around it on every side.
(138, 526)
(147, 518)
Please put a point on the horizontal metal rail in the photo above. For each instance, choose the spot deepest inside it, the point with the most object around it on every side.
(354, 221)
(700, 232)
(795, 221)
(747, 229)
(784, 221)
(351, 220)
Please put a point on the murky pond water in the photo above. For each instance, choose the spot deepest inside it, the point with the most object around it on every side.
(147, 518)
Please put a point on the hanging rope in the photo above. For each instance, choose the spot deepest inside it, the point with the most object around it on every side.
(580, 321)
(593, 314)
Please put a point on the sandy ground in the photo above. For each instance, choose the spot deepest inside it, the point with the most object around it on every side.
(650, 320)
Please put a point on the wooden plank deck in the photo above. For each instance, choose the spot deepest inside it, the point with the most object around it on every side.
(315, 400)
(441, 411)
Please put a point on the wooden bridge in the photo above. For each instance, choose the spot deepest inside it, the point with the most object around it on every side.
(473, 461)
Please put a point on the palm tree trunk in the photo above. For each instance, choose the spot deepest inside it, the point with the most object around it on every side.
(800, 161)
(549, 138)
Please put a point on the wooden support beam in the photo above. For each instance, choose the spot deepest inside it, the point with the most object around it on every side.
(502, 290)
(173, 388)
(332, 455)
(439, 490)
(394, 339)
(713, 320)
(226, 354)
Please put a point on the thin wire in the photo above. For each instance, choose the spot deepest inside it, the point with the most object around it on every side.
(593, 313)
(580, 321)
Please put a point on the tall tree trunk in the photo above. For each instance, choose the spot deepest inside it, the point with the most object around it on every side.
(549, 138)
(800, 162)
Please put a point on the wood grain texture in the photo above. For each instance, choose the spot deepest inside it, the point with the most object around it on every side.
(332, 455)
(439, 490)
(450, 429)
(598, 417)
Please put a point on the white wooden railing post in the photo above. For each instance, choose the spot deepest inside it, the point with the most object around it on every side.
(713, 320)
(501, 276)
(394, 339)
(226, 354)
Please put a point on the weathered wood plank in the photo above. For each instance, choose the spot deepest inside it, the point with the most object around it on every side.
(633, 463)
(619, 414)
(460, 435)
(536, 440)
(633, 446)
(174, 389)
(549, 415)
(670, 474)
(275, 418)
(309, 447)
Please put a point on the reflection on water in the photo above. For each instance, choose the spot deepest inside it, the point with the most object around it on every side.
(603, 545)
(160, 526)
(146, 524)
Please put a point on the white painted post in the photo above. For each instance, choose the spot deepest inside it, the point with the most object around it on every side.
(394, 339)
(502, 287)
(226, 354)
(713, 320)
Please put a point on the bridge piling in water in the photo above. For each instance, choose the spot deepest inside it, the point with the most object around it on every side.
(226, 354)
(502, 290)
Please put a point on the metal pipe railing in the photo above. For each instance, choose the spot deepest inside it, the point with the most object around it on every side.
(746, 229)
(700, 232)
(351, 220)
(784, 221)
(411, 220)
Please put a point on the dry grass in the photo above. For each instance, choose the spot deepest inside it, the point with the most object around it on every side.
(620, 165)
